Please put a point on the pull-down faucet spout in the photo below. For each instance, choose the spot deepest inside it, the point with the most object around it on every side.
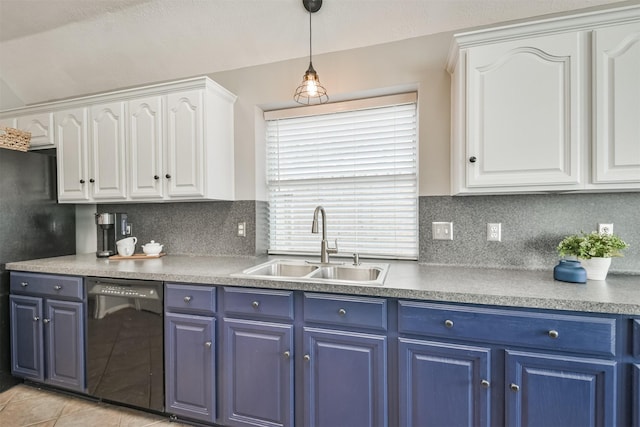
(325, 250)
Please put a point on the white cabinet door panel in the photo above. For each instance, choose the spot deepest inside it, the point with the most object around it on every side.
(41, 127)
(71, 137)
(146, 148)
(616, 52)
(108, 151)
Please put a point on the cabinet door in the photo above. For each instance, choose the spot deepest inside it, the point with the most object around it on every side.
(616, 51)
(550, 390)
(71, 143)
(258, 377)
(145, 148)
(190, 366)
(184, 171)
(635, 396)
(64, 342)
(27, 355)
(524, 111)
(443, 384)
(107, 151)
(345, 379)
(41, 127)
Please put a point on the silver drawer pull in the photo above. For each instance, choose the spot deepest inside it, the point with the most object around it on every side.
(255, 304)
(45, 321)
(448, 323)
(485, 383)
(514, 387)
(24, 284)
(187, 299)
(208, 344)
(307, 358)
(287, 354)
(36, 318)
(553, 334)
(57, 287)
(342, 312)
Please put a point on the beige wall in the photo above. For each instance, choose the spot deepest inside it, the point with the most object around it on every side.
(413, 64)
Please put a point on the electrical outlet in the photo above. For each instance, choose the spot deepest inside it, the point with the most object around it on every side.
(494, 232)
(442, 230)
(605, 229)
(242, 229)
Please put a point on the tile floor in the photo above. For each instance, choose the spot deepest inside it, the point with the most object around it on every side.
(25, 405)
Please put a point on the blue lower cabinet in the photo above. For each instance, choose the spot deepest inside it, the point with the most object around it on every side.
(258, 373)
(553, 390)
(47, 341)
(345, 379)
(190, 366)
(635, 395)
(443, 384)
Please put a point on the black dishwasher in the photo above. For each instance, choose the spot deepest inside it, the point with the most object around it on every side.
(125, 361)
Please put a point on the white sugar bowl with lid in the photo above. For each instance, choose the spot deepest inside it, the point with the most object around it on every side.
(152, 248)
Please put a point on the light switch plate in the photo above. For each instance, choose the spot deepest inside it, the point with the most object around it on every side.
(442, 230)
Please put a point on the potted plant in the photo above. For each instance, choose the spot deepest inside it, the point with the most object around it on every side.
(594, 250)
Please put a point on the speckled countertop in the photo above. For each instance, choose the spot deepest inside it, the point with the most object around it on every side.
(619, 294)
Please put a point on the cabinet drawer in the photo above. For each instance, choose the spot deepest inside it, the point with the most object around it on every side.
(47, 285)
(262, 303)
(190, 298)
(346, 310)
(539, 330)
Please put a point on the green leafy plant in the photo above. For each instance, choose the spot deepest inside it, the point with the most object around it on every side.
(591, 245)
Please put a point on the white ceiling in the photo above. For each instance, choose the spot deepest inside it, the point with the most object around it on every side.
(53, 49)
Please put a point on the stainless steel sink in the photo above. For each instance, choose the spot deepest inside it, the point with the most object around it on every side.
(281, 268)
(308, 271)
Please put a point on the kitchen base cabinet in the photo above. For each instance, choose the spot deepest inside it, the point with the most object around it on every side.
(48, 334)
(552, 390)
(443, 384)
(345, 378)
(258, 373)
(190, 366)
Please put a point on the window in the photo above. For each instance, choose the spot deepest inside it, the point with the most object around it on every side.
(359, 162)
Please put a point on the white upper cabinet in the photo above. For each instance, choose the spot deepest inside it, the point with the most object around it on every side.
(72, 157)
(550, 105)
(523, 127)
(145, 136)
(616, 110)
(166, 142)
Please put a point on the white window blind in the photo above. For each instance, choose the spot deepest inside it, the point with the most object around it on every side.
(360, 165)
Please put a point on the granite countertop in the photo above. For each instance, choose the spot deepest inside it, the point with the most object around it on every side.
(619, 294)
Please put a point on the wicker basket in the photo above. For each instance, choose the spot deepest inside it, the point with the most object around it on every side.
(14, 139)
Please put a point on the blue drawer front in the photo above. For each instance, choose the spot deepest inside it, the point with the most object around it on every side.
(341, 310)
(546, 331)
(47, 285)
(193, 299)
(261, 303)
(636, 339)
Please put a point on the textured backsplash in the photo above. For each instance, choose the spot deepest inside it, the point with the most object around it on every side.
(198, 228)
(532, 227)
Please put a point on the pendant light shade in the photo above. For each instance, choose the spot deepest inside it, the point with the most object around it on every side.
(310, 91)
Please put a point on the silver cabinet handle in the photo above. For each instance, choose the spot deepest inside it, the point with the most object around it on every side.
(45, 321)
(36, 318)
(57, 287)
(187, 299)
(553, 334)
(307, 358)
(24, 284)
(342, 312)
(208, 344)
(287, 354)
(485, 383)
(514, 387)
(448, 323)
(255, 304)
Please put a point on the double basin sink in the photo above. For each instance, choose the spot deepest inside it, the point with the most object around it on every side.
(307, 271)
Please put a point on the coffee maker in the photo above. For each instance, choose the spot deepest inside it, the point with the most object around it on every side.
(114, 226)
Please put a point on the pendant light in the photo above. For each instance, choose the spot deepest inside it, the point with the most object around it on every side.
(310, 90)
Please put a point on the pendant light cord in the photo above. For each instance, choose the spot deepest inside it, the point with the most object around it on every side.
(310, 52)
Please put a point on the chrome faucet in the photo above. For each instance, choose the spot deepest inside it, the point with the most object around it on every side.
(325, 250)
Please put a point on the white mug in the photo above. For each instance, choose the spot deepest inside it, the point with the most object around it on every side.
(126, 247)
